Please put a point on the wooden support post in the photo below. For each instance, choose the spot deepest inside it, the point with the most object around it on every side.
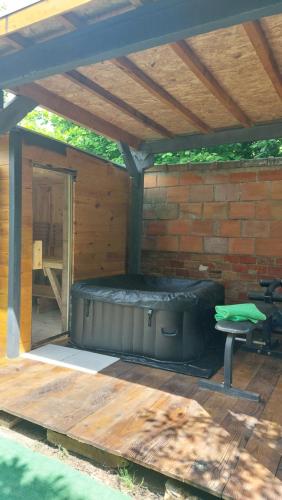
(15, 233)
(135, 168)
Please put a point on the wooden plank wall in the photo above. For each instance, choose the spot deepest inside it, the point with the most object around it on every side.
(4, 239)
(100, 210)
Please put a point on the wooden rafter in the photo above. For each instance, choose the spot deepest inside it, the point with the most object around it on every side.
(264, 52)
(139, 76)
(75, 113)
(188, 56)
(93, 87)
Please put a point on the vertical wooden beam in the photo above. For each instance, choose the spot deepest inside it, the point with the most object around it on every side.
(15, 224)
(136, 211)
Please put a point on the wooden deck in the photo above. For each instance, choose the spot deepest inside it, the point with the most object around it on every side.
(229, 447)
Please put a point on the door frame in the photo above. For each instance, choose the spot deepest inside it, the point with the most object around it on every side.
(67, 272)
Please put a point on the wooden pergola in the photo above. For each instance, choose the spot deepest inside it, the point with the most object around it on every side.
(155, 76)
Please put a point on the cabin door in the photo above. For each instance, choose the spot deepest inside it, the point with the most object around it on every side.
(52, 250)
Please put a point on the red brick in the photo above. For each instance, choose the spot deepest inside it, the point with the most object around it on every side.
(216, 210)
(191, 244)
(275, 272)
(168, 179)
(150, 180)
(232, 258)
(216, 245)
(264, 210)
(178, 226)
(155, 228)
(190, 178)
(201, 193)
(256, 228)
(229, 228)
(201, 227)
(269, 210)
(240, 268)
(191, 210)
(248, 259)
(242, 210)
(227, 192)
(270, 175)
(167, 243)
(255, 191)
(276, 190)
(219, 178)
(177, 194)
(242, 176)
(276, 229)
(271, 247)
(242, 245)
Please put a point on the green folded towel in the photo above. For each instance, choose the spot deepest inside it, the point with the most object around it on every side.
(239, 312)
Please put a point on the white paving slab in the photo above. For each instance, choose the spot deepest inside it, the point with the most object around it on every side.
(76, 359)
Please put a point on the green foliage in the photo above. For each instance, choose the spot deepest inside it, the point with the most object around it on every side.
(52, 125)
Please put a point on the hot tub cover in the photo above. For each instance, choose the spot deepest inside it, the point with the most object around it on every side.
(152, 292)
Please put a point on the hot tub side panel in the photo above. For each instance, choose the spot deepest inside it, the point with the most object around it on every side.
(163, 334)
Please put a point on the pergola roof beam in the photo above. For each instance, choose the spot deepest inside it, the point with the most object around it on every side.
(91, 86)
(71, 111)
(264, 52)
(227, 136)
(134, 72)
(193, 62)
(124, 34)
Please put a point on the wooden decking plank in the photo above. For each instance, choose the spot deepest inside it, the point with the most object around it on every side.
(248, 414)
(202, 460)
(162, 420)
(97, 426)
(70, 399)
(262, 455)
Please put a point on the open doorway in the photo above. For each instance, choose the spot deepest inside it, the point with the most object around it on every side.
(52, 237)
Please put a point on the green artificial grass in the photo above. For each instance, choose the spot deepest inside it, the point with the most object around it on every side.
(28, 475)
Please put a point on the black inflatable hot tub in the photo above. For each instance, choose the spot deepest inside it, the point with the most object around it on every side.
(162, 318)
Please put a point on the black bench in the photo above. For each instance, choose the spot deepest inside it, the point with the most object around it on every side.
(241, 331)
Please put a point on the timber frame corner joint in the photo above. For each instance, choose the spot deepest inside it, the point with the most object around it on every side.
(14, 112)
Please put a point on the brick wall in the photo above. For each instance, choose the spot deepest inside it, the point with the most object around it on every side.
(219, 221)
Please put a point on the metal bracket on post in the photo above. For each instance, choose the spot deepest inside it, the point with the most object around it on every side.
(135, 162)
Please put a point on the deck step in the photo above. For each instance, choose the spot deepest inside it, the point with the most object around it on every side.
(7, 420)
(85, 450)
(175, 490)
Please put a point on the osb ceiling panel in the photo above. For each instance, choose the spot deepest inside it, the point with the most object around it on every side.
(87, 100)
(230, 56)
(164, 67)
(117, 82)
